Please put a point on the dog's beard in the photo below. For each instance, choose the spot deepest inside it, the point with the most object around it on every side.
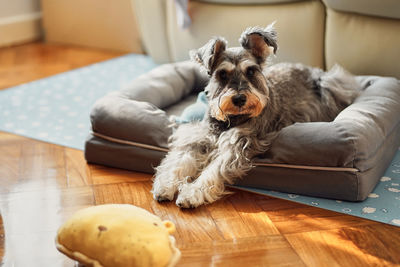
(230, 121)
(234, 120)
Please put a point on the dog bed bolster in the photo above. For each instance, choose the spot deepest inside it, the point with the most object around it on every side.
(135, 112)
(353, 139)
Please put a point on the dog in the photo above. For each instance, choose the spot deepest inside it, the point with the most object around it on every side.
(250, 101)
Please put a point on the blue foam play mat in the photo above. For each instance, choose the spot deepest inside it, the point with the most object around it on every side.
(56, 110)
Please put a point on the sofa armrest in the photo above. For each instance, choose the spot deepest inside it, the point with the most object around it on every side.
(151, 20)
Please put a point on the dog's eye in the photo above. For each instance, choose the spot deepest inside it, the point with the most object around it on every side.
(222, 74)
(250, 72)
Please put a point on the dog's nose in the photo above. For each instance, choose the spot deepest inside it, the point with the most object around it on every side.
(239, 100)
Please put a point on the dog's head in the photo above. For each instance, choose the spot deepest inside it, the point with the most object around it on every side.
(237, 86)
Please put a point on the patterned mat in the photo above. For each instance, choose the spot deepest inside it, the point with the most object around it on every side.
(56, 110)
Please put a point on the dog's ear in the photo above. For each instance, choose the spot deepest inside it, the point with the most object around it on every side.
(260, 42)
(208, 54)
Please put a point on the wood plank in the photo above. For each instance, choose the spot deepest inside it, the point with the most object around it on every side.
(43, 163)
(239, 216)
(9, 165)
(193, 225)
(106, 175)
(375, 239)
(77, 171)
(348, 246)
(255, 251)
(41, 210)
(323, 223)
(8, 139)
(27, 164)
(291, 217)
(34, 249)
(31, 220)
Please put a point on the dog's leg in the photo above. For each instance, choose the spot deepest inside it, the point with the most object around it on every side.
(231, 160)
(189, 151)
(174, 170)
(207, 188)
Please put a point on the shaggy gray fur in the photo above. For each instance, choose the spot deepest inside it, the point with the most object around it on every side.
(205, 155)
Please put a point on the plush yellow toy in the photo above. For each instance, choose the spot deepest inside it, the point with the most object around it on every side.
(116, 235)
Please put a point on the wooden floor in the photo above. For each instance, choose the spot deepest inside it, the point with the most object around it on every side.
(42, 184)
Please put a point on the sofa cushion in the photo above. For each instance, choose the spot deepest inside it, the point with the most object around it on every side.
(381, 8)
(342, 159)
(364, 45)
(300, 19)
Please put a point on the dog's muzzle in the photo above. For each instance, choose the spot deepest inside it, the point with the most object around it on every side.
(236, 103)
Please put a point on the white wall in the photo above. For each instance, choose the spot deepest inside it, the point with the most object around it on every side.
(20, 21)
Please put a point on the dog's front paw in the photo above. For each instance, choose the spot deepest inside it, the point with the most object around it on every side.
(162, 198)
(162, 194)
(186, 203)
(190, 197)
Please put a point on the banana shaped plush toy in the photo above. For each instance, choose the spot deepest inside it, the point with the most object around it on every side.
(116, 235)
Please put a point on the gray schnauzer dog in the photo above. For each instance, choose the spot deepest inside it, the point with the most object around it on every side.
(249, 103)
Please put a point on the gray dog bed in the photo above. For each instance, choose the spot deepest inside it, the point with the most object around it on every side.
(342, 159)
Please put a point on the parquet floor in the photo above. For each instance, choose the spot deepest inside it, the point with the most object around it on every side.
(42, 184)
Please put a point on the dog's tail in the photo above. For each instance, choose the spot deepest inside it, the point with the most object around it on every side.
(341, 84)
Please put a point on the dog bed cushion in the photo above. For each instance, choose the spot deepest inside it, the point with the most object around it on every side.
(342, 159)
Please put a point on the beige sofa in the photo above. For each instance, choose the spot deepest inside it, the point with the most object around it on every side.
(363, 36)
